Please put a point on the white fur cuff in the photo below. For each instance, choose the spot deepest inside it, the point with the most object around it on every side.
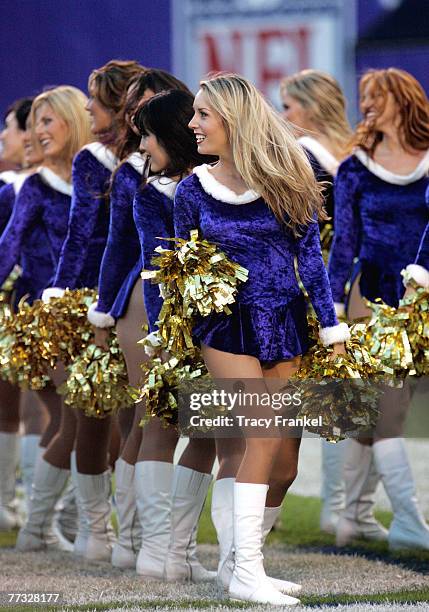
(99, 319)
(332, 335)
(340, 309)
(418, 274)
(52, 292)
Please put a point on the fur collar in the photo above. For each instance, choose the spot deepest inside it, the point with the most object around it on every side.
(323, 156)
(137, 161)
(221, 192)
(8, 176)
(164, 185)
(55, 181)
(102, 154)
(19, 181)
(391, 177)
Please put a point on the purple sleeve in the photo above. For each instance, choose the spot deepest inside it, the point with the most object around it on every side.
(23, 218)
(186, 211)
(7, 200)
(122, 248)
(89, 188)
(312, 271)
(345, 246)
(153, 215)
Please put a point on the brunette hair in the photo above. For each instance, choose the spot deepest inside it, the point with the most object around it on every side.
(108, 85)
(413, 104)
(167, 116)
(21, 109)
(151, 79)
(265, 151)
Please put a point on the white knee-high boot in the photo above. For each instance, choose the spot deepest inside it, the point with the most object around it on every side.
(153, 485)
(222, 512)
(361, 479)
(188, 495)
(409, 528)
(9, 518)
(333, 488)
(125, 550)
(37, 533)
(66, 516)
(249, 581)
(81, 539)
(30, 451)
(94, 494)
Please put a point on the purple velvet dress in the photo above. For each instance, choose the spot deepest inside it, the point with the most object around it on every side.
(35, 232)
(153, 217)
(83, 249)
(268, 318)
(380, 218)
(121, 264)
(7, 200)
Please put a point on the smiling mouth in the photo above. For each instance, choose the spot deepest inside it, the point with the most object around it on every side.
(44, 143)
(199, 138)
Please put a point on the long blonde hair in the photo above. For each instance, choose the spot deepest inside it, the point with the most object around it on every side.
(265, 152)
(68, 103)
(321, 96)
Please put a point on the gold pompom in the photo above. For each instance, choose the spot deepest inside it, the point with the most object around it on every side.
(196, 279)
(417, 307)
(98, 381)
(342, 390)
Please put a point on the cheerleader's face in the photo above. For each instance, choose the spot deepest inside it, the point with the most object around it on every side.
(159, 159)
(52, 132)
(209, 129)
(100, 117)
(294, 112)
(33, 152)
(11, 139)
(380, 110)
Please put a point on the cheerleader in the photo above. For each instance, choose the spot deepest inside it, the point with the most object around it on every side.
(169, 500)
(380, 217)
(119, 273)
(36, 231)
(258, 218)
(314, 103)
(78, 267)
(13, 139)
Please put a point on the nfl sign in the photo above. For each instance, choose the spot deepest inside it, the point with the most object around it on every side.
(263, 40)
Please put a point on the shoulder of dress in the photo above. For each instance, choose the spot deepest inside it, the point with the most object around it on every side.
(102, 154)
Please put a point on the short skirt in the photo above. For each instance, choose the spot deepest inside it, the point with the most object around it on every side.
(270, 333)
(120, 304)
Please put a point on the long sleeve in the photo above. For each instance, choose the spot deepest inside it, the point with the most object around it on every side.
(7, 199)
(90, 182)
(312, 272)
(153, 217)
(21, 222)
(186, 214)
(345, 246)
(123, 247)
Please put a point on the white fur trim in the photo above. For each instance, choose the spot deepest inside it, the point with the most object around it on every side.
(52, 292)
(137, 161)
(8, 176)
(323, 156)
(391, 177)
(419, 274)
(332, 335)
(19, 181)
(164, 185)
(104, 155)
(222, 192)
(98, 318)
(340, 309)
(55, 181)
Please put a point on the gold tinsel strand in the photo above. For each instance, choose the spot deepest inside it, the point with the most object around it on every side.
(342, 390)
(34, 338)
(6, 290)
(98, 381)
(417, 307)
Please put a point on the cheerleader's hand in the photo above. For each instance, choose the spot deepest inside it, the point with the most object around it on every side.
(337, 349)
(100, 337)
(153, 344)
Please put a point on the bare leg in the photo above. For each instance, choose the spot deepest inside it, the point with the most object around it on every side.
(33, 413)
(60, 447)
(9, 407)
(92, 444)
(52, 403)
